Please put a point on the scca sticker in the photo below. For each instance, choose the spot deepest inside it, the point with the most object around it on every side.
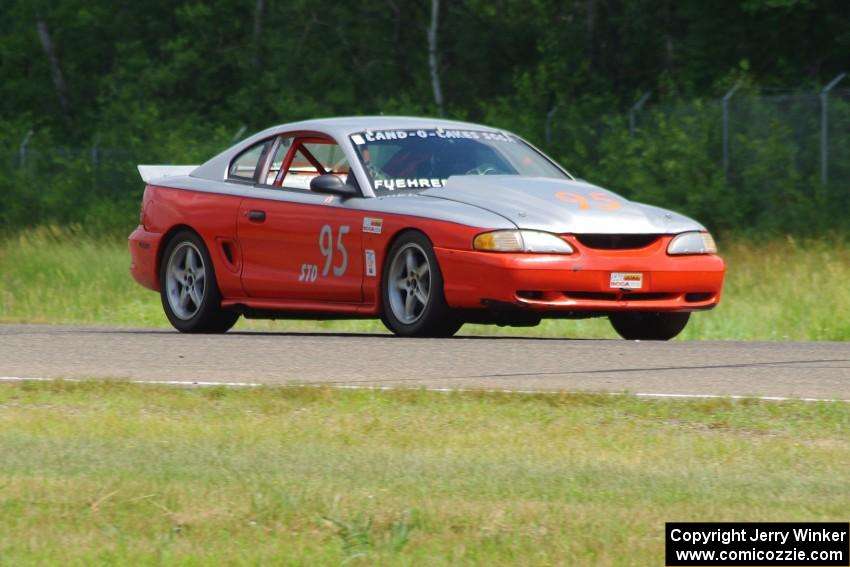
(371, 270)
(373, 225)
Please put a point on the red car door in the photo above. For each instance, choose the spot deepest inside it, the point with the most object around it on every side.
(297, 244)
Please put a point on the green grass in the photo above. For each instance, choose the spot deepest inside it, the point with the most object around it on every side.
(112, 473)
(779, 290)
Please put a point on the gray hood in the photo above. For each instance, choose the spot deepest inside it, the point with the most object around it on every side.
(531, 203)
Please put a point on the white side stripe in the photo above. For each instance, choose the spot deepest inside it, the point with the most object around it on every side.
(338, 386)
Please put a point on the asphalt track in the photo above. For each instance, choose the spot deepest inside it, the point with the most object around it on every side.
(763, 369)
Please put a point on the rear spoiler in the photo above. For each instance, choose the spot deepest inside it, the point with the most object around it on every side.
(149, 172)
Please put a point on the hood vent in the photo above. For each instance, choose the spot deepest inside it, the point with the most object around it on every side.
(617, 241)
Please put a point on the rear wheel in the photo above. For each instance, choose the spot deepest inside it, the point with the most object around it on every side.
(188, 289)
(413, 304)
(648, 325)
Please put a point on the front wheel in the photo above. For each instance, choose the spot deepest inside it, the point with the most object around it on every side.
(648, 325)
(413, 304)
(189, 292)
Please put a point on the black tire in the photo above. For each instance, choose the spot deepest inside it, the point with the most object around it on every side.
(649, 325)
(188, 288)
(412, 300)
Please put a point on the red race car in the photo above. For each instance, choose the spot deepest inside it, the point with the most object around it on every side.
(425, 223)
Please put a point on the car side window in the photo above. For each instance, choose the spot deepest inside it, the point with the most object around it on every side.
(312, 157)
(300, 172)
(330, 156)
(277, 160)
(244, 166)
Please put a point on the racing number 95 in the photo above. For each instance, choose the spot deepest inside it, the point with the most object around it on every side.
(325, 239)
(600, 200)
(310, 272)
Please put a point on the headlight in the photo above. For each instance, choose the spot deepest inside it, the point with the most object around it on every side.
(521, 241)
(692, 243)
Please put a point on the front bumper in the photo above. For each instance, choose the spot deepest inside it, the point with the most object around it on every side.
(580, 282)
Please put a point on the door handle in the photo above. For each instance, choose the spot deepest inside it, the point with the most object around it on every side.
(257, 216)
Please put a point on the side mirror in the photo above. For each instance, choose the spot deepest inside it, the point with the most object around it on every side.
(333, 185)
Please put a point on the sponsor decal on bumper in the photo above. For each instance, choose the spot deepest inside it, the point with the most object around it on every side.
(626, 280)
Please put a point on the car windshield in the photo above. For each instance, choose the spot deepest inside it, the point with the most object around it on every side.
(412, 160)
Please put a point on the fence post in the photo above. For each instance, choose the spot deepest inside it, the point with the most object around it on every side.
(634, 110)
(22, 149)
(95, 155)
(547, 133)
(824, 127)
(725, 105)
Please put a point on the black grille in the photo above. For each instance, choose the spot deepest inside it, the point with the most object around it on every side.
(592, 295)
(628, 296)
(617, 241)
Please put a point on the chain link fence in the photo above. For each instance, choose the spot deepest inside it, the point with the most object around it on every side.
(774, 160)
(770, 161)
(95, 187)
(105, 171)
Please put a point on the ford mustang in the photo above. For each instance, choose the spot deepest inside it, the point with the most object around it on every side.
(423, 223)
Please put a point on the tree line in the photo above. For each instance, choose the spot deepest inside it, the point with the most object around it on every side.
(177, 81)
